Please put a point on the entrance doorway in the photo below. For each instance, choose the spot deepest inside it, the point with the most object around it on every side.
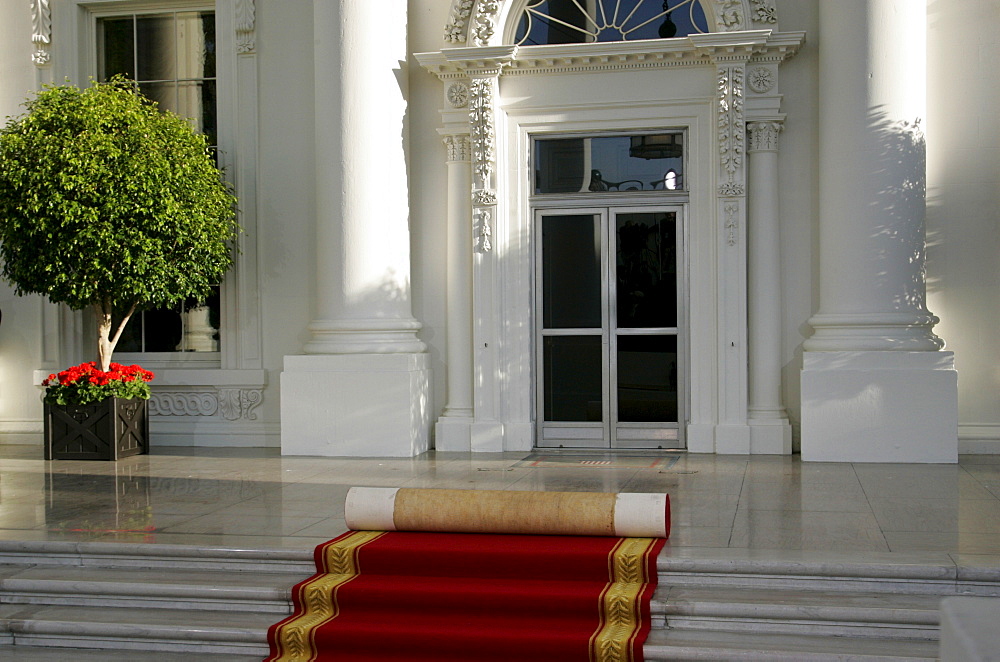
(610, 370)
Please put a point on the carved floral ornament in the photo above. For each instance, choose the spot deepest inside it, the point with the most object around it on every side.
(474, 22)
(41, 31)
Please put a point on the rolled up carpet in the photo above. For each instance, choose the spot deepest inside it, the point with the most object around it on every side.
(508, 512)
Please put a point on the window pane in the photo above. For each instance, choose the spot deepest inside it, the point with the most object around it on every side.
(193, 46)
(571, 272)
(646, 270)
(162, 329)
(117, 41)
(156, 47)
(642, 162)
(165, 94)
(647, 379)
(573, 378)
(578, 22)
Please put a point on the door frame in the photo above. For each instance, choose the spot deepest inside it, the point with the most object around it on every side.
(606, 208)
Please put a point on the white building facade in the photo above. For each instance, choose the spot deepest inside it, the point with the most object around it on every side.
(730, 226)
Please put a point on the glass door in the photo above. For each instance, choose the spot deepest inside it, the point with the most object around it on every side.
(609, 368)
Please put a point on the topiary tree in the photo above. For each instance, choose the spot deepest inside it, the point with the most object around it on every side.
(108, 203)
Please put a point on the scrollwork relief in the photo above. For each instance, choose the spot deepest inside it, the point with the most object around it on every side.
(235, 403)
(732, 129)
(482, 129)
(732, 222)
(730, 14)
(484, 230)
(485, 22)
(232, 403)
(484, 198)
(246, 26)
(41, 31)
(454, 31)
(763, 11)
(183, 404)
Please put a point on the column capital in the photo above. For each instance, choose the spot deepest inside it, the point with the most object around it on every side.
(459, 147)
(763, 135)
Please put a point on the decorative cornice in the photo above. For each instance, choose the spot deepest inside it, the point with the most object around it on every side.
(732, 131)
(458, 147)
(246, 26)
(41, 31)
(232, 404)
(763, 136)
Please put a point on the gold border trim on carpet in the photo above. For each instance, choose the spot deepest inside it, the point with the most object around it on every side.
(621, 616)
(294, 638)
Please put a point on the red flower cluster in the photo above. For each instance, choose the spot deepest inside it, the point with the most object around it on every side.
(89, 372)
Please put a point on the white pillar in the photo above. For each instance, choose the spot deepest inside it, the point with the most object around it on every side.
(454, 428)
(769, 428)
(874, 388)
(363, 387)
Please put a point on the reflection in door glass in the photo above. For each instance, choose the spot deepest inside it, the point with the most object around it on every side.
(646, 270)
(647, 379)
(641, 162)
(571, 271)
(573, 378)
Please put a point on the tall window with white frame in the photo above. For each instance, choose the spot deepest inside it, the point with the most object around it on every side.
(171, 56)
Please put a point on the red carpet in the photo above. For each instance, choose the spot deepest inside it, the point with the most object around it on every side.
(472, 597)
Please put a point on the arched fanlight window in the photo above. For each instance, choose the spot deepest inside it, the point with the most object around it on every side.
(589, 21)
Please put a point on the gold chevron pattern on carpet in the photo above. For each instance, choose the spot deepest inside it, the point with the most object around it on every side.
(295, 638)
(620, 605)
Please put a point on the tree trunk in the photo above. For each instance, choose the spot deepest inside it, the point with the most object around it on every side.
(105, 341)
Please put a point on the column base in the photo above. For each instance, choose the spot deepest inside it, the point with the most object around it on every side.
(466, 435)
(356, 405)
(770, 437)
(732, 439)
(879, 407)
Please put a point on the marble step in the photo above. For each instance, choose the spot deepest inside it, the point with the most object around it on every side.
(153, 556)
(50, 654)
(841, 614)
(685, 646)
(937, 574)
(192, 590)
(124, 628)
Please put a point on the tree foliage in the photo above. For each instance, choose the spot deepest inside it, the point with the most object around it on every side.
(108, 202)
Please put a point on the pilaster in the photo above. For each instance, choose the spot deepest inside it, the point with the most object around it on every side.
(770, 431)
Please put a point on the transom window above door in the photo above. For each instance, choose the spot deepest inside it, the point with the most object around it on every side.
(628, 163)
(590, 21)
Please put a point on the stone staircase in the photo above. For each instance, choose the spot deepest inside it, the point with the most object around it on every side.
(65, 600)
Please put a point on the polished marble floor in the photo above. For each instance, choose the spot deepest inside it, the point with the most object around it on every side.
(254, 498)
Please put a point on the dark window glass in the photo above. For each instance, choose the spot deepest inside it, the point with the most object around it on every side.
(573, 378)
(646, 270)
(571, 272)
(647, 379)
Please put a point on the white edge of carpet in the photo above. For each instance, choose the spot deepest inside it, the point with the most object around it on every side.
(370, 508)
(641, 515)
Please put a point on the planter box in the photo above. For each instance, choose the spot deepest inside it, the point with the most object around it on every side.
(107, 430)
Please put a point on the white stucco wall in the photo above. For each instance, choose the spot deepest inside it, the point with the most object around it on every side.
(21, 329)
(963, 213)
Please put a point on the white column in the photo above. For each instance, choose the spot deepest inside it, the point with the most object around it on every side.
(363, 388)
(874, 388)
(769, 428)
(454, 427)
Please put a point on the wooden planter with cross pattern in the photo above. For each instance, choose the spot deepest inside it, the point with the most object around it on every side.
(108, 430)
